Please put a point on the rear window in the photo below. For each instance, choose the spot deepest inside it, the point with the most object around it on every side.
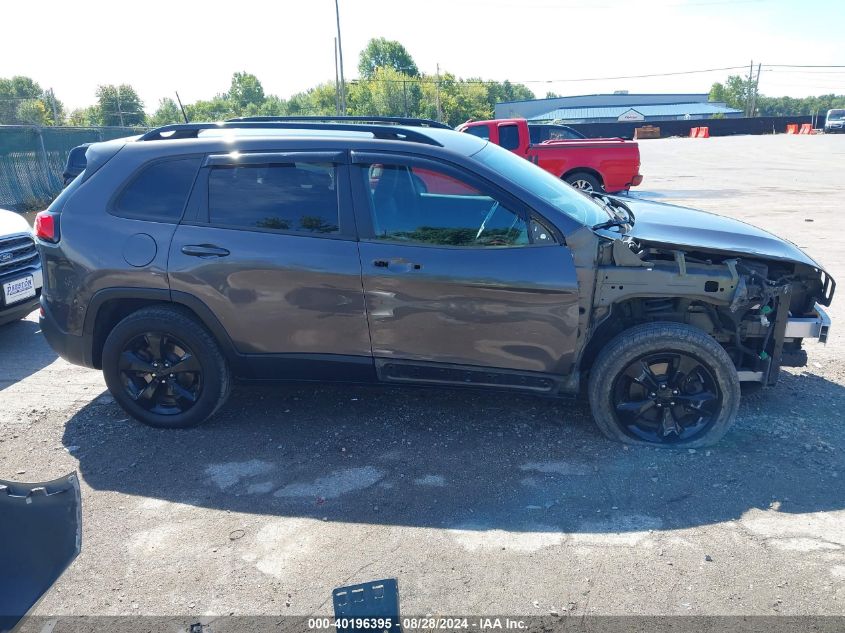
(296, 197)
(481, 131)
(159, 192)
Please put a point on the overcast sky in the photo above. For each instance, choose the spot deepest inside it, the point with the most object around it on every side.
(160, 46)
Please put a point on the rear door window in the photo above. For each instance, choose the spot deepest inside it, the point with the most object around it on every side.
(509, 136)
(293, 197)
(159, 191)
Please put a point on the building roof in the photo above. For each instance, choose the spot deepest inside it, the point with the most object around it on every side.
(633, 96)
(674, 109)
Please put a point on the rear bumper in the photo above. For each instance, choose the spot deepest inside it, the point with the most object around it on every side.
(74, 349)
(816, 326)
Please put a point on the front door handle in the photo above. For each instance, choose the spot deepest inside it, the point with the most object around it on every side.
(204, 250)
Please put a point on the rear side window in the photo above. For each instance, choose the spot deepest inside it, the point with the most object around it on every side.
(297, 197)
(159, 192)
(509, 136)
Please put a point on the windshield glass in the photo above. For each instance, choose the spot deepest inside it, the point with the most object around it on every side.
(543, 185)
(836, 115)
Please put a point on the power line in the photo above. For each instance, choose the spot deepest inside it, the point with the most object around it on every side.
(805, 66)
(550, 81)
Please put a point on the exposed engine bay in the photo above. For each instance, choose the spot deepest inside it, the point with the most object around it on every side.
(744, 302)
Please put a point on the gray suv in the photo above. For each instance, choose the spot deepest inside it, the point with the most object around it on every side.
(400, 251)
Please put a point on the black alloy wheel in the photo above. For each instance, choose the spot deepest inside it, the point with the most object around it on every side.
(666, 397)
(160, 373)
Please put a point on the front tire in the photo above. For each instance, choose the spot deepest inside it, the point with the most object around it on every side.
(165, 368)
(664, 384)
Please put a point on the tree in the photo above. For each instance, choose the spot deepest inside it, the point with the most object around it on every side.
(218, 108)
(120, 105)
(244, 91)
(22, 101)
(32, 111)
(388, 92)
(167, 112)
(734, 92)
(383, 53)
(84, 117)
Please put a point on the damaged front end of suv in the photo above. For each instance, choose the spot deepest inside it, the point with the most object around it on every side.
(757, 295)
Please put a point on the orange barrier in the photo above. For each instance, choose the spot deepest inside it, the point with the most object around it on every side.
(693, 132)
(704, 132)
(792, 128)
(806, 128)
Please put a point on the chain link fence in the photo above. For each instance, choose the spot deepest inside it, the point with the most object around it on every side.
(32, 159)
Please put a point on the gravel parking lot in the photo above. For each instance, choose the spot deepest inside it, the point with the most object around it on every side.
(476, 502)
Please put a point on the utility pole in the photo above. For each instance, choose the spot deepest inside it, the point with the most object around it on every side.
(119, 111)
(437, 93)
(336, 82)
(55, 110)
(756, 90)
(340, 58)
(749, 89)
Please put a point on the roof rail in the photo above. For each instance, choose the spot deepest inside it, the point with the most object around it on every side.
(395, 120)
(192, 130)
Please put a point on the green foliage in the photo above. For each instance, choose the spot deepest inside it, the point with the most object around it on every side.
(84, 117)
(383, 53)
(33, 112)
(735, 91)
(22, 101)
(245, 91)
(786, 106)
(120, 105)
(168, 112)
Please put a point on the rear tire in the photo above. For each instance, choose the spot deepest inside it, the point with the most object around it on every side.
(584, 181)
(664, 384)
(165, 368)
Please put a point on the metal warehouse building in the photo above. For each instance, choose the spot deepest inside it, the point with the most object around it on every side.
(609, 108)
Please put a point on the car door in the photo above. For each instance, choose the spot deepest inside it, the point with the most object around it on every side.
(268, 244)
(460, 277)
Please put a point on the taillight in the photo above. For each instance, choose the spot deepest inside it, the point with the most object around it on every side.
(47, 227)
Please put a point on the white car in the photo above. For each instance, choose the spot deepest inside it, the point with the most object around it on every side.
(20, 268)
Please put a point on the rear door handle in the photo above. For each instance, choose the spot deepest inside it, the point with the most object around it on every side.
(204, 250)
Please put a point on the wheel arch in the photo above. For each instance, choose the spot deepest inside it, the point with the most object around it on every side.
(628, 313)
(110, 305)
(585, 170)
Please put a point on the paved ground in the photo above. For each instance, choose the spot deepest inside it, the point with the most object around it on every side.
(478, 503)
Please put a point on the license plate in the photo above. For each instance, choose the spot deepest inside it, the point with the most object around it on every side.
(18, 290)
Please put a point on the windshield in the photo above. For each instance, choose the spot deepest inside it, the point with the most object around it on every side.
(836, 115)
(543, 185)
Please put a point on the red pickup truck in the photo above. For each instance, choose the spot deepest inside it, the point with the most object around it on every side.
(609, 165)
